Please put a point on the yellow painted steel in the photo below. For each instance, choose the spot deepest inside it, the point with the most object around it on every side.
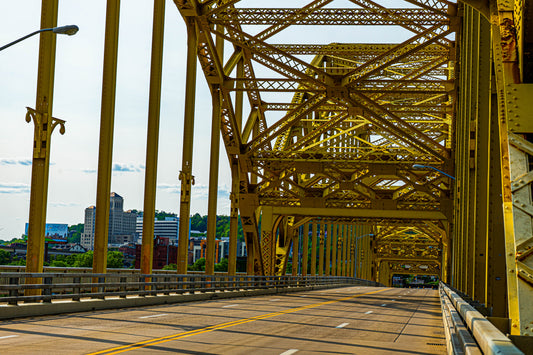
(321, 242)
(152, 141)
(213, 184)
(305, 250)
(44, 124)
(186, 177)
(105, 153)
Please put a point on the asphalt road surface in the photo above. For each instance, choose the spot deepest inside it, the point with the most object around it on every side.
(351, 320)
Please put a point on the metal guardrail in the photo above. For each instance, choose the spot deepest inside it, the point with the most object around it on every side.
(468, 331)
(14, 287)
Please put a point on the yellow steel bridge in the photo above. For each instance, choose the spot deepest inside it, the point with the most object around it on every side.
(403, 148)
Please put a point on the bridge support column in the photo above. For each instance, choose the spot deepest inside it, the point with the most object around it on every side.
(213, 183)
(313, 247)
(344, 248)
(295, 250)
(105, 154)
(268, 240)
(334, 247)
(43, 126)
(329, 235)
(152, 141)
(322, 240)
(186, 177)
(305, 249)
(234, 219)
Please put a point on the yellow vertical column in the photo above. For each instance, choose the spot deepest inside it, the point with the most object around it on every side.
(234, 195)
(213, 167)
(152, 141)
(43, 126)
(352, 250)
(339, 250)
(186, 176)
(107, 121)
(344, 248)
(321, 241)
(305, 249)
(328, 247)
(313, 249)
(295, 250)
(333, 270)
(213, 182)
(268, 240)
(234, 219)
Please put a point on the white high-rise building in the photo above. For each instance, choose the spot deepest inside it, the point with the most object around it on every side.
(167, 228)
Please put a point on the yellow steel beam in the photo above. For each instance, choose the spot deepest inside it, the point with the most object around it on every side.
(105, 154)
(43, 127)
(152, 141)
(186, 177)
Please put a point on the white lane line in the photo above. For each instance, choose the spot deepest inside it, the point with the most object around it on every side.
(8, 336)
(289, 352)
(384, 305)
(274, 300)
(155, 315)
(230, 305)
(342, 325)
(303, 296)
(369, 312)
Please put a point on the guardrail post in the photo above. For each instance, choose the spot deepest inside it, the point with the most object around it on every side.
(47, 292)
(123, 281)
(13, 292)
(76, 290)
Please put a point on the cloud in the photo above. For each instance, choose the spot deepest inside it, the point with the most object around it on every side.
(63, 204)
(174, 189)
(16, 161)
(14, 188)
(128, 168)
(120, 168)
(198, 191)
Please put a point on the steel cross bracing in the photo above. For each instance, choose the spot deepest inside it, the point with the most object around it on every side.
(357, 116)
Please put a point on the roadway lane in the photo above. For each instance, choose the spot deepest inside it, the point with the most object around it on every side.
(352, 320)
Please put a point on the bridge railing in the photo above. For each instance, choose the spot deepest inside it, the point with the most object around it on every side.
(76, 286)
(468, 331)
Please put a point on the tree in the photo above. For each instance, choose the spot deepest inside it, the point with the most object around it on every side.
(222, 265)
(199, 265)
(5, 257)
(170, 267)
(84, 260)
(115, 259)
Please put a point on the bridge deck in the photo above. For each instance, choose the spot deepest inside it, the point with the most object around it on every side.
(360, 320)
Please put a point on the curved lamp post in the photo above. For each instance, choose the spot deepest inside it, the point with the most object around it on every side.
(64, 30)
(419, 166)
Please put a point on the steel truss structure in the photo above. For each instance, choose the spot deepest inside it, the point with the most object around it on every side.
(331, 134)
(347, 158)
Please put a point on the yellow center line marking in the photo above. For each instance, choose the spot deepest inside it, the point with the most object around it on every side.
(155, 341)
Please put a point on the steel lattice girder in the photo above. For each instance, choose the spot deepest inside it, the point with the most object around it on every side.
(358, 116)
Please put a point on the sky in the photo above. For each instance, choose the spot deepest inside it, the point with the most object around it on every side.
(77, 97)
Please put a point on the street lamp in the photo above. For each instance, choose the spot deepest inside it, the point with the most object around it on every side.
(357, 259)
(64, 30)
(419, 166)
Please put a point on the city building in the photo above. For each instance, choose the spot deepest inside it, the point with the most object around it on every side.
(121, 224)
(167, 228)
